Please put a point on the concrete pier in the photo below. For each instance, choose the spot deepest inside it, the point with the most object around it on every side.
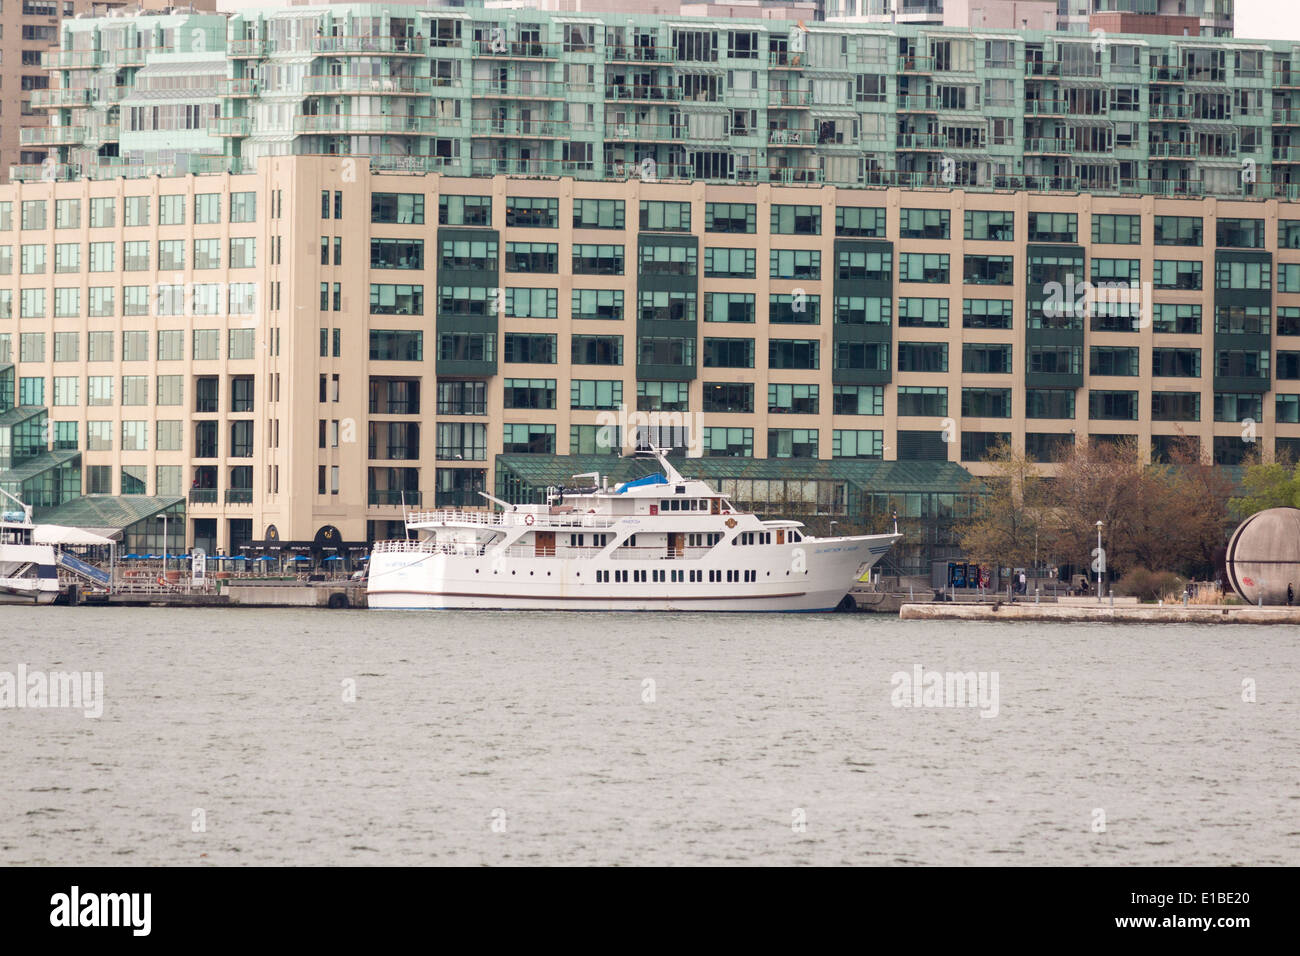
(1103, 613)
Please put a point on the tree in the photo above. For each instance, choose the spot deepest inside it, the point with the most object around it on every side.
(1006, 522)
(1273, 485)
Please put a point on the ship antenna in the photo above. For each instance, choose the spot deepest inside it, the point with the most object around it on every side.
(671, 473)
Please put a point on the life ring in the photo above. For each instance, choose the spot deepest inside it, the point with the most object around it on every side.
(162, 581)
(528, 519)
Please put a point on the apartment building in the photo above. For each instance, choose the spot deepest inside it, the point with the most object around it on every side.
(28, 29)
(482, 92)
(316, 345)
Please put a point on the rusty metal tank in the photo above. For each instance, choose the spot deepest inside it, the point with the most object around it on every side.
(1263, 556)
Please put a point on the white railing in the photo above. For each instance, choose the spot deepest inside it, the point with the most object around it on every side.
(624, 553)
(541, 522)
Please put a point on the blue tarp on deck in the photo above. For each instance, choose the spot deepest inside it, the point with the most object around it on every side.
(655, 479)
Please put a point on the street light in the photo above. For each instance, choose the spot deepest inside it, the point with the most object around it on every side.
(163, 518)
(1101, 562)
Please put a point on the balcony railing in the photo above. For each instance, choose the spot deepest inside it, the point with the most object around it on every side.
(383, 123)
(48, 172)
(528, 89)
(640, 54)
(394, 46)
(51, 135)
(72, 59)
(203, 496)
(389, 497)
(522, 128)
(239, 496)
(642, 93)
(518, 50)
(230, 126)
(46, 99)
(380, 85)
(412, 164)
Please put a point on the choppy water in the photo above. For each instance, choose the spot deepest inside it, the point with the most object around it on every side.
(536, 722)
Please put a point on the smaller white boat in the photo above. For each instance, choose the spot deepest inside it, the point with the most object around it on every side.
(29, 573)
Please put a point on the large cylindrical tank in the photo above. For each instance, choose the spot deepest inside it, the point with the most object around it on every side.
(1264, 556)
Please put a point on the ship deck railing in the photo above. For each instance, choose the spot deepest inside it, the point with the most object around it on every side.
(464, 550)
(541, 522)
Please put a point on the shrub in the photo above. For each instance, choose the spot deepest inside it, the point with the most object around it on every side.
(1148, 585)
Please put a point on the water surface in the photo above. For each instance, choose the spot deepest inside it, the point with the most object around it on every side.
(529, 737)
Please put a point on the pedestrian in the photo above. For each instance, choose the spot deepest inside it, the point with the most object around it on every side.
(1290, 594)
(1024, 586)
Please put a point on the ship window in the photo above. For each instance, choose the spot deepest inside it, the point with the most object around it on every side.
(681, 489)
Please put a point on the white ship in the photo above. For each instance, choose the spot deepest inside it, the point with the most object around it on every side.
(29, 573)
(659, 543)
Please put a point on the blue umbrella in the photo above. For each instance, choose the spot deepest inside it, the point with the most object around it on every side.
(266, 557)
(130, 557)
(333, 557)
(301, 557)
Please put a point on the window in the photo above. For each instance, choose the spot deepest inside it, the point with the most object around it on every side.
(661, 306)
(597, 304)
(533, 213)
(596, 349)
(1176, 406)
(527, 438)
(922, 267)
(1177, 230)
(171, 210)
(103, 213)
(662, 396)
(728, 442)
(1176, 319)
(465, 210)
(729, 307)
(207, 253)
(1049, 403)
(534, 257)
(1117, 230)
(135, 390)
(207, 209)
(527, 303)
(135, 211)
(67, 213)
(597, 260)
(465, 441)
(171, 255)
(864, 265)
(795, 264)
(858, 221)
(399, 208)
(923, 400)
(993, 359)
(923, 313)
(67, 346)
(243, 207)
(988, 270)
(243, 252)
(1112, 360)
(534, 348)
(1239, 233)
(205, 344)
(986, 402)
(396, 345)
(169, 390)
(923, 356)
(923, 224)
(33, 259)
(529, 393)
(793, 353)
(590, 394)
(665, 216)
(735, 398)
(135, 256)
(728, 353)
(798, 308)
(858, 400)
(101, 256)
(396, 299)
(171, 345)
(858, 443)
(794, 399)
(993, 225)
(986, 313)
(792, 443)
(1053, 227)
(67, 257)
(1176, 274)
(598, 214)
(1112, 406)
(729, 263)
(796, 220)
(727, 217)
(1242, 275)
(242, 344)
(101, 302)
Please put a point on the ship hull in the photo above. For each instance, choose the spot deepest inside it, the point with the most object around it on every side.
(814, 576)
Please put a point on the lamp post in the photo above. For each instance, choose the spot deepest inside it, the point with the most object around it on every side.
(163, 518)
(1101, 562)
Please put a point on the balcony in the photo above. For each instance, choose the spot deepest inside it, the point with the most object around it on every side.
(382, 123)
(520, 129)
(788, 99)
(916, 64)
(368, 46)
(72, 59)
(51, 135)
(917, 103)
(203, 496)
(245, 49)
(784, 60)
(640, 93)
(523, 89)
(51, 172)
(240, 86)
(1167, 74)
(55, 99)
(518, 50)
(237, 496)
(1169, 111)
(1281, 117)
(230, 126)
(394, 497)
(640, 54)
(644, 132)
(1049, 146)
(791, 137)
(412, 164)
(1172, 150)
(1286, 154)
(923, 142)
(370, 85)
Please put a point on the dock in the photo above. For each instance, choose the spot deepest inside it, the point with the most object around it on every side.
(337, 595)
(1101, 613)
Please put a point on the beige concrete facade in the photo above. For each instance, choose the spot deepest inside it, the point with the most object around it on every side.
(290, 374)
